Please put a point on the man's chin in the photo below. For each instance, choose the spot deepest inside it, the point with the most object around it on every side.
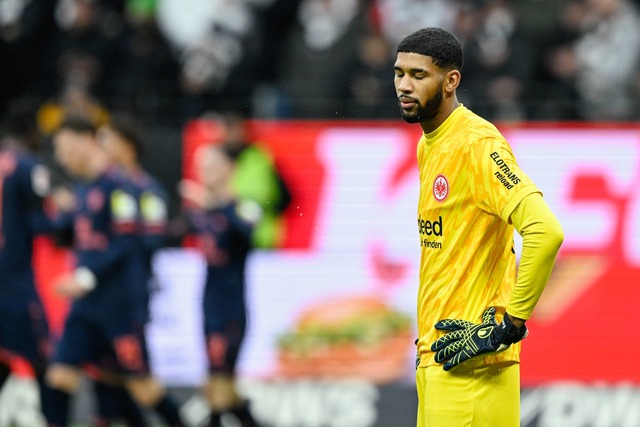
(411, 118)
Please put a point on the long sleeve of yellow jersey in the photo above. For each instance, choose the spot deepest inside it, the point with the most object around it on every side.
(542, 236)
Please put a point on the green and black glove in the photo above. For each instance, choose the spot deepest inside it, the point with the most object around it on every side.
(466, 339)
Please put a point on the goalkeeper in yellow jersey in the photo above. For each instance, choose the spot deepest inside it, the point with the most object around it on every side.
(472, 300)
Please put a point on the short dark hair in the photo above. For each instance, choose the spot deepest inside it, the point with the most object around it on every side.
(126, 126)
(77, 124)
(442, 46)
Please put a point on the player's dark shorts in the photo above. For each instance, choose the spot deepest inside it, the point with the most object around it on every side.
(223, 347)
(89, 341)
(24, 335)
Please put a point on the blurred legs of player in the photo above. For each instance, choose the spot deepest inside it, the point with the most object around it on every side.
(4, 373)
(24, 336)
(222, 397)
(83, 341)
(149, 393)
(106, 406)
(113, 402)
(220, 389)
(65, 380)
(466, 396)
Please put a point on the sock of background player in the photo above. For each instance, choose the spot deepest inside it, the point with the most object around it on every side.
(215, 419)
(129, 410)
(55, 406)
(5, 371)
(244, 415)
(116, 403)
(106, 410)
(169, 412)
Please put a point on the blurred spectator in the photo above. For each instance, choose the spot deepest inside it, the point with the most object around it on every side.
(85, 47)
(397, 18)
(73, 101)
(498, 62)
(551, 27)
(24, 27)
(606, 60)
(367, 91)
(146, 81)
(214, 40)
(275, 22)
(596, 63)
(256, 178)
(176, 59)
(322, 40)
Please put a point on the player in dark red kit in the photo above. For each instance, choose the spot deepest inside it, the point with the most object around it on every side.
(224, 226)
(103, 317)
(122, 142)
(24, 182)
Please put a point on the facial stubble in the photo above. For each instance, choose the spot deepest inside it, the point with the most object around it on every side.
(428, 111)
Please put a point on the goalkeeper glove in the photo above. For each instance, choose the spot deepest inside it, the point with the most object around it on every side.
(466, 339)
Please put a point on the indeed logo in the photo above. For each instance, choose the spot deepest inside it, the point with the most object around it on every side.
(430, 227)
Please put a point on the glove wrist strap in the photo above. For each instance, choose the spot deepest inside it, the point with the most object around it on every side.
(513, 334)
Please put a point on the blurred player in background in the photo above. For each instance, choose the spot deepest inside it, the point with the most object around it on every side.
(105, 284)
(472, 195)
(224, 226)
(256, 177)
(122, 141)
(24, 183)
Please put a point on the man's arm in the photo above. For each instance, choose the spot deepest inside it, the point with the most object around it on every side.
(542, 236)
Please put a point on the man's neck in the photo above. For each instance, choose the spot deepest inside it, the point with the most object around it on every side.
(97, 165)
(430, 125)
(131, 167)
(215, 199)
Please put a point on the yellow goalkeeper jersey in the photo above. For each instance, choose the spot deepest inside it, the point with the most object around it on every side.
(470, 184)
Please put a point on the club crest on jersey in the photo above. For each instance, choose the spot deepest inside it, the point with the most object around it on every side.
(440, 188)
(95, 200)
(8, 163)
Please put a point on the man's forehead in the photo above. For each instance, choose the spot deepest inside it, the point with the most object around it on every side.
(413, 60)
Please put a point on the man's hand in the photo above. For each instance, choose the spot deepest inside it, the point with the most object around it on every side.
(68, 286)
(63, 199)
(466, 339)
(77, 284)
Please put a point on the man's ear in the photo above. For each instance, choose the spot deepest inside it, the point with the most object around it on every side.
(452, 80)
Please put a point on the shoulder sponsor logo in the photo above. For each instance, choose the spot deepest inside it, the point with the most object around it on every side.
(152, 208)
(123, 206)
(505, 175)
(440, 188)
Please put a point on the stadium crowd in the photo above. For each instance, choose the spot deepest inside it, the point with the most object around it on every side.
(170, 60)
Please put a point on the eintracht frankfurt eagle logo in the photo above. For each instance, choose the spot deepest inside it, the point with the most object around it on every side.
(440, 188)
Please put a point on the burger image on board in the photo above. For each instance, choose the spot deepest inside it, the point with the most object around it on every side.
(347, 337)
